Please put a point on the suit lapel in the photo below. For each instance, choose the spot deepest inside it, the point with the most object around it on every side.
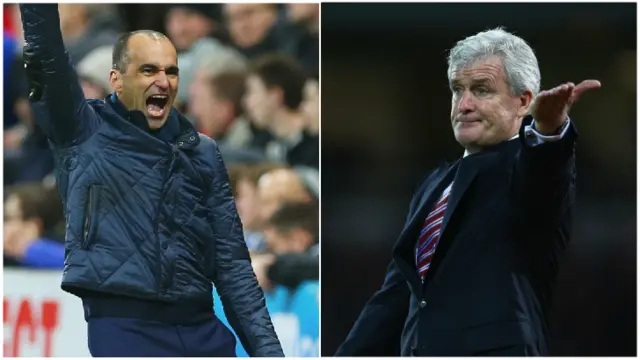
(469, 168)
(430, 195)
(462, 173)
(404, 250)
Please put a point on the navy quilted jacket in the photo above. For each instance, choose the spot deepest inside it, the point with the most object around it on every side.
(146, 219)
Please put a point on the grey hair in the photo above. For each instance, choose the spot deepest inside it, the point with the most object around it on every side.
(222, 59)
(518, 59)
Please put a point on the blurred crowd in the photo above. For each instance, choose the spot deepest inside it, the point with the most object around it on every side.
(248, 79)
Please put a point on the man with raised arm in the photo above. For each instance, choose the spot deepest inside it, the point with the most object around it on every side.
(151, 221)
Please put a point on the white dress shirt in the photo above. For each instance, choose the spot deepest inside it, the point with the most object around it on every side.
(535, 137)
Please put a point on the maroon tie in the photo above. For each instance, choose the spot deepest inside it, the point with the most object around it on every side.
(430, 234)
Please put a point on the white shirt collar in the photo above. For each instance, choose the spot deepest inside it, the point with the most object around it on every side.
(466, 153)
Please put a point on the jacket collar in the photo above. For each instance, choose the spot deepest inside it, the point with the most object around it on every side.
(497, 147)
(500, 146)
(182, 134)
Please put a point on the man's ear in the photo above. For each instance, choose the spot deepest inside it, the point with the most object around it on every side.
(115, 80)
(526, 100)
(227, 109)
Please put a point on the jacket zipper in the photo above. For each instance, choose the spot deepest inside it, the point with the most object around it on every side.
(160, 286)
(90, 203)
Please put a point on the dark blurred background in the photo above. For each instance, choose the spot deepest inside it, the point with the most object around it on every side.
(385, 117)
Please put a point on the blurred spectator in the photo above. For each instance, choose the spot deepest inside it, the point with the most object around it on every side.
(305, 42)
(227, 61)
(260, 189)
(33, 226)
(310, 177)
(86, 27)
(292, 238)
(190, 28)
(292, 228)
(187, 23)
(306, 15)
(260, 29)
(253, 28)
(311, 106)
(277, 187)
(236, 172)
(244, 180)
(30, 159)
(247, 188)
(23, 142)
(93, 71)
(275, 88)
(217, 107)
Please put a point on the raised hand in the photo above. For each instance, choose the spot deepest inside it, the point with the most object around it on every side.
(551, 107)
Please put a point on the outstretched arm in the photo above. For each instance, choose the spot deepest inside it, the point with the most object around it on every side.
(58, 102)
(544, 176)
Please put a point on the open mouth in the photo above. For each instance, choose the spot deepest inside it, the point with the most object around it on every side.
(157, 105)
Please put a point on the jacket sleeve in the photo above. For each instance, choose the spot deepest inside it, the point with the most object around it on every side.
(57, 99)
(242, 298)
(544, 178)
(379, 327)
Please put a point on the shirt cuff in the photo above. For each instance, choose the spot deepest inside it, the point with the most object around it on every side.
(535, 138)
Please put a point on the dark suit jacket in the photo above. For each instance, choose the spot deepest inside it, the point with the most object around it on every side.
(487, 292)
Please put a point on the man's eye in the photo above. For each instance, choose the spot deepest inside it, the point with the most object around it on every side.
(148, 71)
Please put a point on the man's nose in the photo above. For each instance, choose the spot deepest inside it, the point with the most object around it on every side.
(465, 104)
(162, 81)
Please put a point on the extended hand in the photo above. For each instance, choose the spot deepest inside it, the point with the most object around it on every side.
(551, 107)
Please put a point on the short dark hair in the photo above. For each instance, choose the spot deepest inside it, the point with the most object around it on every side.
(230, 86)
(39, 202)
(120, 58)
(236, 172)
(292, 215)
(285, 72)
